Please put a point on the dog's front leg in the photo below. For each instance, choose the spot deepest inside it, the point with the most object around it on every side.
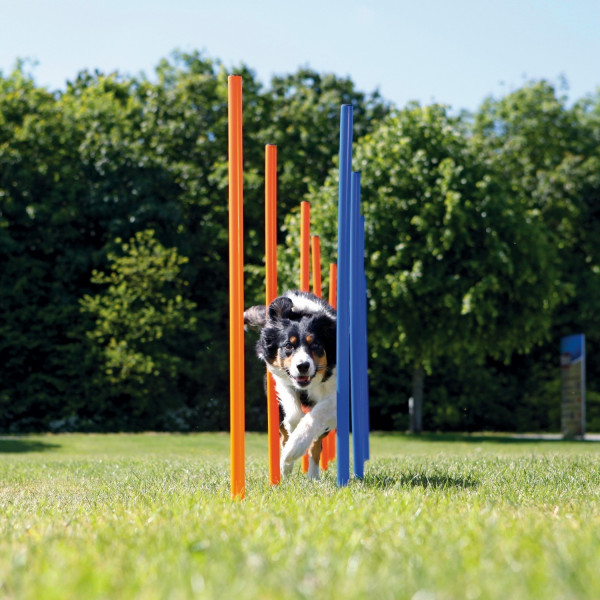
(311, 426)
(314, 455)
(285, 468)
(293, 416)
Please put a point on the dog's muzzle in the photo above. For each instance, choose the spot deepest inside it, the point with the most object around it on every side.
(303, 371)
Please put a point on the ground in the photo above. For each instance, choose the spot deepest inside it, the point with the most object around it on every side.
(436, 517)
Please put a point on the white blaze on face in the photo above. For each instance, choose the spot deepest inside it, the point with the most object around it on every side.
(302, 357)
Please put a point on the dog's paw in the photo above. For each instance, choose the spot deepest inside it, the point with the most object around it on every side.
(313, 470)
(292, 451)
(286, 468)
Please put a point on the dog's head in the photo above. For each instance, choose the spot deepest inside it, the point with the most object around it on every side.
(298, 339)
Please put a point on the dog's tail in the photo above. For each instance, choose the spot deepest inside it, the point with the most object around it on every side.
(255, 317)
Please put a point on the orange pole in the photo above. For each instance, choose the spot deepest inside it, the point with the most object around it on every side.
(236, 288)
(316, 264)
(305, 269)
(333, 285)
(317, 290)
(331, 438)
(305, 246)
(271, 294)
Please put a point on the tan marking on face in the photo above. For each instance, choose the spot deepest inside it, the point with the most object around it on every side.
(293, 340)
(310, 339)
(287, 361)
(284, 362)
(320, 362)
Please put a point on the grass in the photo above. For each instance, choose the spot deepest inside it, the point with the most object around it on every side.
(437, 517)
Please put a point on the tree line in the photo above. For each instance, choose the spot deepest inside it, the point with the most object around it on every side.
(481, 246)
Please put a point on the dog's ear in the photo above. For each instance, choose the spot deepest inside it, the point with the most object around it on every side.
(325, 326)
(268, 343)
(280, 308)
(255, 317)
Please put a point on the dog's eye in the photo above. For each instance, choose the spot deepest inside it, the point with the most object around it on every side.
(288, 346)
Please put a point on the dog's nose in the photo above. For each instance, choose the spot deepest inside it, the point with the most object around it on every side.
(303, 367)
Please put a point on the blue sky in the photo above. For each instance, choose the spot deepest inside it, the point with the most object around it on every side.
(452, 51)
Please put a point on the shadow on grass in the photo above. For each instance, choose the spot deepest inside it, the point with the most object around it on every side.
(14, 445)
(437, 481)
(479, 438)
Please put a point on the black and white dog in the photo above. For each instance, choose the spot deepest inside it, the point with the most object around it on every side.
(298, 344)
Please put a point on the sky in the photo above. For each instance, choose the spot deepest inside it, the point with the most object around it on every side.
(456, 52)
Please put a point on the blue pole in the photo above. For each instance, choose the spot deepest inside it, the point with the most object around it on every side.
(356, 330)
(362, 297)
(343, 308)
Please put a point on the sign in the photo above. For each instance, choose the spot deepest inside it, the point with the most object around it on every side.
(572, 366)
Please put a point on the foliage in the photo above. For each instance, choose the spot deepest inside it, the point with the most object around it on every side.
(481, 243)
(142, 322)
(548, 155)
(43, 268)
(458, 269)
(110, 157)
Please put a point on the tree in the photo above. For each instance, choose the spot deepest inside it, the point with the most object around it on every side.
(40, 359)
(112, 156)
(548, 154)
(467, 220)
(142, 321)
(458, 269)
(299, 113)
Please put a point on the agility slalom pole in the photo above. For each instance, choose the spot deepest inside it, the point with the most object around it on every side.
(315, 247)
(305, 246)
(343, 320)
(236, 288)
(357, 331)
(270, 295)
(332, 299)
(305, 269)
(362, 296)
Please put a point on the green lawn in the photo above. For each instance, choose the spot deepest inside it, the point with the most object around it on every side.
(440, 517)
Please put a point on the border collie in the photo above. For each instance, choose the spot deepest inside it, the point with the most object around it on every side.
(298, 344)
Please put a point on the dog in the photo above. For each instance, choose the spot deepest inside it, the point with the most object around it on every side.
(298, 345)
